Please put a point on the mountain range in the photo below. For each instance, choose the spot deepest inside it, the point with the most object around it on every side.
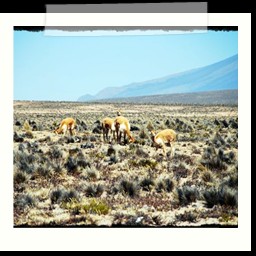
(222, 75)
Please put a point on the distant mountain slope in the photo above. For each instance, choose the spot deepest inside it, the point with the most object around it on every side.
(223, 97)
(222, 75)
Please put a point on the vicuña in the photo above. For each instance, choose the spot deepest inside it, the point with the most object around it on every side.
(122, 126)
(162, 137)
(107, 125)
(67, 124)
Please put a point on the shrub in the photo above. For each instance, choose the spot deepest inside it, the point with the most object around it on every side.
(147, 184)
(165, 185)
(74, 151)
(231, 181)
(143, 163)
(71, 165)
(228, 196)
(218, 141)
(44, 171)
(111, 151)
(91, 173)
(128, 187)
(143, 134)
(207, 176)
(186, 216)
(141, 153)
(25, 162)
(211, 197)
(29, 134)
(96, 207)
(26, 126)
(187, 195)
(150, 126)
(57, 195)
(222, 196)
(55, 154)
(83, 163)
(93, 190)
(20, 177)
(180, 171)
(21, 147)
(23, 201)
(214, 160)
(92, 207)
(17, 138)
(63, 196)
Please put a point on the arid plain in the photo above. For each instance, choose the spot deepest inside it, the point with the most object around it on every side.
(83, 181)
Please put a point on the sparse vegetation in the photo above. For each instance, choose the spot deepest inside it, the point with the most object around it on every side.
(81, 181)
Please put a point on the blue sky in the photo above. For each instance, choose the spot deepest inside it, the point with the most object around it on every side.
(63, 68)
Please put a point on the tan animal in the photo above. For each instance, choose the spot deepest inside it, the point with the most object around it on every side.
(164, 136)
(67, 124)
(107, 125)
(122, 126)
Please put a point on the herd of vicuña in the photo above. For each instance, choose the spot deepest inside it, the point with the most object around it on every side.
(118, 128)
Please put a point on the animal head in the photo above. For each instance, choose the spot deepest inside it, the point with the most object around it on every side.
(119, 112)
(152, 133)
(57, 131)
(131, 139)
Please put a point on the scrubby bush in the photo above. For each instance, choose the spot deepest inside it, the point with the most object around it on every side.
(62, 195)
(165, 184)
(96, 207)
(186, 216)
(231, 181)
(26, 126)
(25, 162)
(143, 134)
(24, 201)
(141, 153)
(128, 188)
(214, 160)
(20, 177)
(94, 190)
(17, 138)
(207, 176)
(147, 183)
(222, 195)
(71, 165)
(180, 171)
(150, 126)
(187, 195)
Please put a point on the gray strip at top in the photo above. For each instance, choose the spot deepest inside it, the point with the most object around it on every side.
(189, 7)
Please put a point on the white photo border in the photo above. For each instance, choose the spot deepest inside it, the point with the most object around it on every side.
(126, 239)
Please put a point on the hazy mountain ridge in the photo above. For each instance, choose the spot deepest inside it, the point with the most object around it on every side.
(222, 75)
(223, 97)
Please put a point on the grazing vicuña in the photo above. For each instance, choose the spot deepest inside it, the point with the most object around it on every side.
(107, 125)
(164, 136)
(122, 126)
(67, 124)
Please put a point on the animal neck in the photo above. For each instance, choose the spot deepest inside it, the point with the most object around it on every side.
(153, 138)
